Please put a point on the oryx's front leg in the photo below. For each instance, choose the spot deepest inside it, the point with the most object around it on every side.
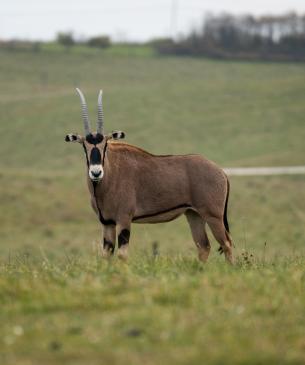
(123, 238)
(108, 240)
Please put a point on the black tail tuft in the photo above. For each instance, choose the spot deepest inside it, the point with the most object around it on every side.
(225, 219)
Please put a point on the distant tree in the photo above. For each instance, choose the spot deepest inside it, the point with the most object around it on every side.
(163, 45)
(66, 39)
(243, 37)
(20, 45)
(99, 42)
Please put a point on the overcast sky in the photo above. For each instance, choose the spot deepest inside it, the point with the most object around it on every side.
(137, 20)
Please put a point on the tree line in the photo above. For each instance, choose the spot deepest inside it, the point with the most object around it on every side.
(228, 36)
(225, 36)
(65, 39)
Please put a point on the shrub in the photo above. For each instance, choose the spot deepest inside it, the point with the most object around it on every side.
(66, 39)
(99, 42)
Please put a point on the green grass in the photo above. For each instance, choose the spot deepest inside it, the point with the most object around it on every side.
(118, 49)
(60, 303)
(234, 113)
(153, 311)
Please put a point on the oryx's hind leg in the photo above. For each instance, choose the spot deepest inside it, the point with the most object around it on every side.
(199, 234)
(108, 241)
(222, 236)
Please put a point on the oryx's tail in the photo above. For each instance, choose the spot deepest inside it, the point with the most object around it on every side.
(225, 218)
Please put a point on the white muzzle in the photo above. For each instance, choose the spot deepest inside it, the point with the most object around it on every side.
(96, 172)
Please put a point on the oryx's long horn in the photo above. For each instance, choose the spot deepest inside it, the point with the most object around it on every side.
(84, 112)
(100, 113)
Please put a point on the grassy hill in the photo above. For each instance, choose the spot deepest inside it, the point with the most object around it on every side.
(237, 114)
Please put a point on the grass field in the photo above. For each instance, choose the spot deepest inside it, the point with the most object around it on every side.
(152, 311)
(60, 303)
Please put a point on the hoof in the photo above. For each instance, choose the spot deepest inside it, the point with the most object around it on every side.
(106, 254)
(123, 254)
(229, 257)
(203, 254)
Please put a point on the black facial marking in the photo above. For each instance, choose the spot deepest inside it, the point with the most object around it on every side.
(98, 138)
(86, 154)
(124, 237)
(95, 156)
(109, 246)
(104, 152)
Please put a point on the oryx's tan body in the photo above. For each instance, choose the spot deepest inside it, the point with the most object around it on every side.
(140, 187)
(158, 188)
(129, 185)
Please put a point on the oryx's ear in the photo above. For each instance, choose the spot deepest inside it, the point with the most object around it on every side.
(117, 135)
(74, 138)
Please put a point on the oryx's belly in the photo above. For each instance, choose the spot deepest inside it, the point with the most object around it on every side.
(162, 216)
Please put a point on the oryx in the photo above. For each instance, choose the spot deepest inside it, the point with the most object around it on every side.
(129, 185)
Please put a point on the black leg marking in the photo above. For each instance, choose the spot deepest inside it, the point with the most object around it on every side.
(105, 222)
(124, 237)
(108, 246)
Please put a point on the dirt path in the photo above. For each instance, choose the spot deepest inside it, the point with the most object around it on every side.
(234, 171)
(260, 171)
